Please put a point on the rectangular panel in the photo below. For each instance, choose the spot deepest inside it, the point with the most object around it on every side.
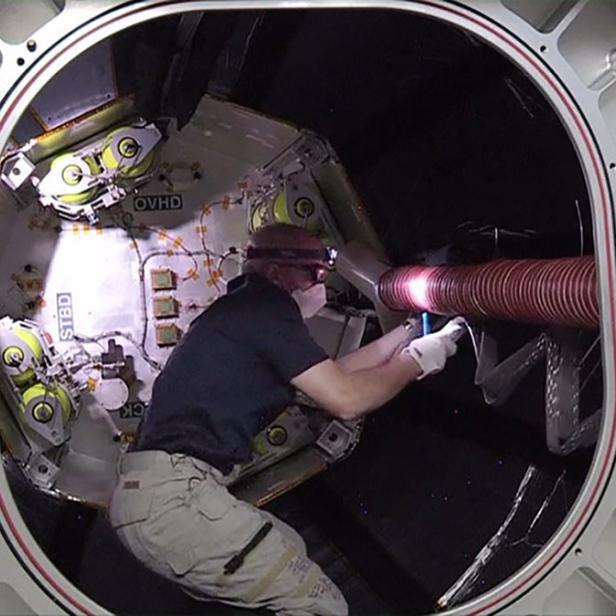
(240, 133)
(544, 15)
(579, 595)
(57, 103)
(589, 44)
(605, 550)
(23, 18)
(11, 603)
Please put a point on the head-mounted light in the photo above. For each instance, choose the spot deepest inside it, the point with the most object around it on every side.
(327, 256)
(331, 254)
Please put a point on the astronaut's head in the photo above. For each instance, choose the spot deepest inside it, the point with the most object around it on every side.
(295, 260)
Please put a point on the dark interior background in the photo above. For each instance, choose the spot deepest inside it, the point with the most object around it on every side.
(435, 129)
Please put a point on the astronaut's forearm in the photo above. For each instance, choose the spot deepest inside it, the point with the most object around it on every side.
(376, 353)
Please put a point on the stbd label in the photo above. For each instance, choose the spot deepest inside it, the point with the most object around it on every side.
(66, 325)
(158, 203)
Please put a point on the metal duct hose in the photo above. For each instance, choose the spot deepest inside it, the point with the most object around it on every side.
(558, 291)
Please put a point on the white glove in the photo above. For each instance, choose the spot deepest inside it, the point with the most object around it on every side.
(431, 352)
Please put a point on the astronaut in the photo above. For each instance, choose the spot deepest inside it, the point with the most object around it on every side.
(236, 368)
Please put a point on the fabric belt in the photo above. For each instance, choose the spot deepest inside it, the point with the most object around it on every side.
(160, 460)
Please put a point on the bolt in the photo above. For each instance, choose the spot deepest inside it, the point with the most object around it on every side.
(31, 45)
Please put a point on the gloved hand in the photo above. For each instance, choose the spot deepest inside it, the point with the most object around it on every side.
(431, 352)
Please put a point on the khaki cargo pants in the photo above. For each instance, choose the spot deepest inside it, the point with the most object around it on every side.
(174, 513)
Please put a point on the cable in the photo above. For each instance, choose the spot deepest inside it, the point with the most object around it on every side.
(119, 334)
(141, 347)
(590, 374)
(128, 227)
(205, 209)
(589, 350)
(144, 304)
(125, 222)
(579, 215)
(230, 252)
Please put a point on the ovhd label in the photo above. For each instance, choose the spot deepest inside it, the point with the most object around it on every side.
(66, 325)
(158, 203)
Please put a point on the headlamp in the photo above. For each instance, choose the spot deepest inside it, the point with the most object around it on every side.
(331, 254)
(327, 255)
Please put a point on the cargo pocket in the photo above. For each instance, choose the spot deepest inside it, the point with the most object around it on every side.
(129, 508)
(198, 530)
(212, 500)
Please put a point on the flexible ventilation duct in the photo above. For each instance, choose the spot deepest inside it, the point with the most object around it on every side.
(558, 291)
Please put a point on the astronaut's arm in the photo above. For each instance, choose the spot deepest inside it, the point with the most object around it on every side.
(377, 352)
(350, 395)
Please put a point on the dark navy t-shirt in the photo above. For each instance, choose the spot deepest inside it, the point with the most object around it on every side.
(229, 376)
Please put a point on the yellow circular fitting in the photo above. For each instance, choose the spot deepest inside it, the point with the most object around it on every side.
(13, 353)
(54, 396)
(43, 412)
(71, 175)
(128, 147)
(277, 436)
(13, 356)
(304, 207)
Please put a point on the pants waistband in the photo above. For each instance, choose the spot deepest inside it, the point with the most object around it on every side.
(161, 460)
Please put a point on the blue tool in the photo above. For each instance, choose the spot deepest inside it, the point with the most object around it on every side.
(425, 323)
